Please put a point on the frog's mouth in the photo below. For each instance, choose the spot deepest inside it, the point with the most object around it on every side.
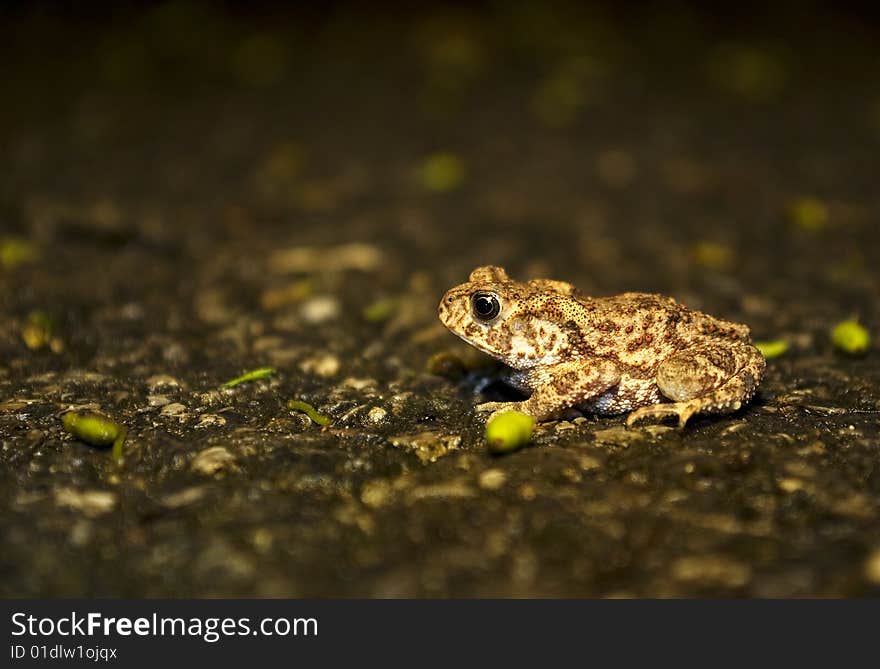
(453, 310)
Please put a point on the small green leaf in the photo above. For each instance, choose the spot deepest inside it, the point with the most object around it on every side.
(116, 452)
(254, 375)
(772, 349)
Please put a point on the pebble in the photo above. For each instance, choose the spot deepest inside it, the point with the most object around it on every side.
(377, 415)
(211, 397)
(791, 484)
(158, 400)
(176, 354)
(175, 410)
(162, 381)
(589, 463)
(210, 420)
(399, 401)
(184, 497)
(212, 460)
(267, 343)
(80, 533)
(82, 376)
(872, 567)
(448, 490)
(91, 502)
(711, 570)
(427, 446)
(320, 309)
(619, 436)
(302, 421)
(262, 540)
(376, 493)
(350, 514)
(16, 404)
(358, 384)
(527, 492)
(306, 259)
(324, 365)
(492, 479)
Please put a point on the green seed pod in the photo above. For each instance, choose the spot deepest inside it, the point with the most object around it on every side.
(509, 431)
(851, 337)
(92, 428)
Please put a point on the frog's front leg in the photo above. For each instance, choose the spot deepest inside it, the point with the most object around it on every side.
(711, 378)
(559, 387)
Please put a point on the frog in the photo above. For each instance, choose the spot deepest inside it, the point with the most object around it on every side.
(641, 354)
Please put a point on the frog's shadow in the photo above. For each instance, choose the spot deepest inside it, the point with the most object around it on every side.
(497, 390)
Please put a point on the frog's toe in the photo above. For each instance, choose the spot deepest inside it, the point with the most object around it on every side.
(641, 414)
(497, 408)
(682, 411)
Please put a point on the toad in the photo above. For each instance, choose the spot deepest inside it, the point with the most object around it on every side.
(635, 352)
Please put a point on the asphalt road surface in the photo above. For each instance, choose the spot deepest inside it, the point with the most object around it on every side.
(189, 193)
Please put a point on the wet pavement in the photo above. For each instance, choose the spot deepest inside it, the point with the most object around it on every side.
(189, 193)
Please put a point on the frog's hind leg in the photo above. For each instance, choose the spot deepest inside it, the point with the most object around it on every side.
(712, 378)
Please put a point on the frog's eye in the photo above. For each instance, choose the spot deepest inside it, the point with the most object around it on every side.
(485, 306)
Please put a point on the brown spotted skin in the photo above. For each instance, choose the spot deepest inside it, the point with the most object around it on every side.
(635, 352)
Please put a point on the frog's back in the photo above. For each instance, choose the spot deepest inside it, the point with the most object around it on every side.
(642, 329)
(653, 308)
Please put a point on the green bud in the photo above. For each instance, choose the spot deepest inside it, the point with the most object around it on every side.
(91, 428)
(509, 431)
(851, 337)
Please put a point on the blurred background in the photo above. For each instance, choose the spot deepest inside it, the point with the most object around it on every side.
(193, 189)
(629, 146)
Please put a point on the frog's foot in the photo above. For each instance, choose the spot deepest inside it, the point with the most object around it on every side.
(497, 408)
(682, 411)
